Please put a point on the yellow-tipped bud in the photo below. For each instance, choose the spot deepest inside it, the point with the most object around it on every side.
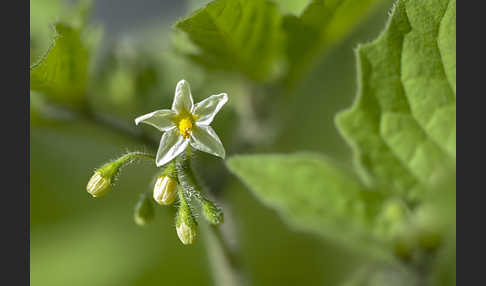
(165, 190)
(98, 185)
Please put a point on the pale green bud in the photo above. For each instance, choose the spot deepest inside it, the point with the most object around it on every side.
(186, 225)
(186, 233)
(165, 190)
(98, 185)
(211, 212)
(144, 210)
(101, 181)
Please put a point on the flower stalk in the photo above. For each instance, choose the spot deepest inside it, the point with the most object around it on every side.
(103, 178)
(224, 263)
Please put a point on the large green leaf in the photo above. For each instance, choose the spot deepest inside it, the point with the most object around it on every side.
(63, 71)
(291, 6)
(402, 126)
(320, 27)
(314, 194)
(236, 35)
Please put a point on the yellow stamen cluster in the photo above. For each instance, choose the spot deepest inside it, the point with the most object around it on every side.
(185, 127)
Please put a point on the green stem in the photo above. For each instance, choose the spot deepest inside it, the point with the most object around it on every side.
(224, 264)
(111, 169)
(138, 154)
(117, 126)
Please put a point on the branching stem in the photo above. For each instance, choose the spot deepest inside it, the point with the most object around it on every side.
(224, 263)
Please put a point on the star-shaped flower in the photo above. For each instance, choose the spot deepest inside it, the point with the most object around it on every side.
(186, 124)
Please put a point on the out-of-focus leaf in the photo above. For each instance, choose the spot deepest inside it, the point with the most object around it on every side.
(377, 274)
(291, 6)
(314, 194)
(37, 106)
(126, 79)
(402, 126)
(43, 113)
(63, 72)
(42, 14)
(285, 6)
(426, 237)
(236, 35)
(320, 27)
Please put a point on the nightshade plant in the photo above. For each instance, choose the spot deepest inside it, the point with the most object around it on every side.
(389, 198)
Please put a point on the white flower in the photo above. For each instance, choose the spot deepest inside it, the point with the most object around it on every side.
(186, 124)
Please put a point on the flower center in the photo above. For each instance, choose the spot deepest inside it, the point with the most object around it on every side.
(185, 127)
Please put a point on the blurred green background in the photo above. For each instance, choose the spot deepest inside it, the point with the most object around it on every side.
(78, 240)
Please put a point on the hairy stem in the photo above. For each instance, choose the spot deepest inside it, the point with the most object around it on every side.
(138, 154)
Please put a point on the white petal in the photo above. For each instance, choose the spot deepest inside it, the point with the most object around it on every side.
(205, 139)
(207, 109)
(171, 145)
(183, 98)
(160, 119)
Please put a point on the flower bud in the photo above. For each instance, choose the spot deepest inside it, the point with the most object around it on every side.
(98, 185)
(144, 210)
(186, 233)
(186, 225)
(165, 190)
(101, 181)
(211, 212)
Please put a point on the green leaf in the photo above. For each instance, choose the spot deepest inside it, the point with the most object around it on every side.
(126, 80)
(236, 35)
(322, 25)
(402, 126)
(313, 194)
(62, 73)
(291, 6)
